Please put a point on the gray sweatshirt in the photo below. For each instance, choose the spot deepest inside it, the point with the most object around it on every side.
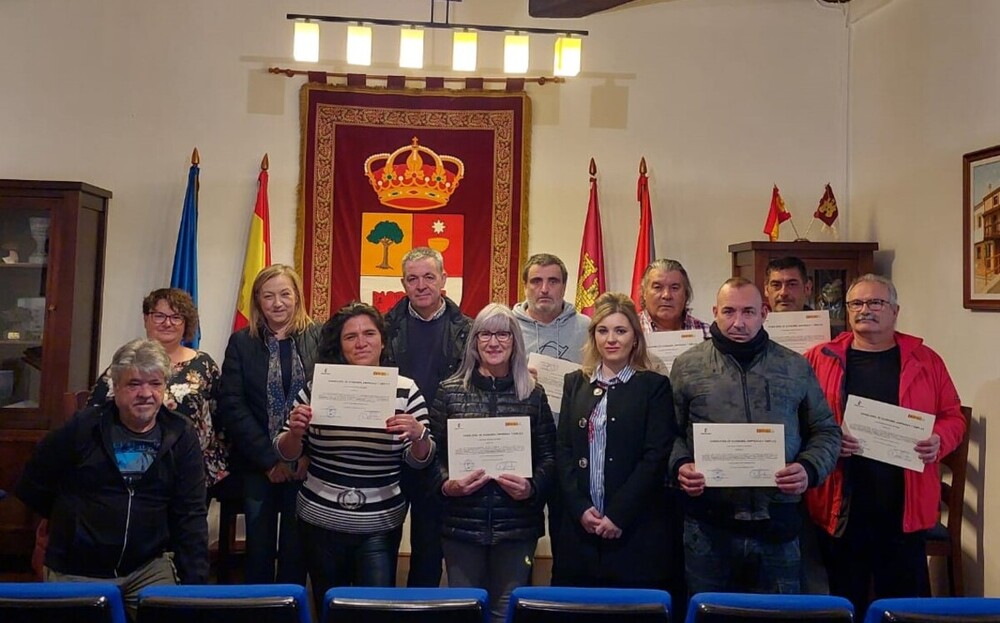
(563, 338)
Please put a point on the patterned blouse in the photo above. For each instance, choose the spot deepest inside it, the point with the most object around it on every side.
(191, 392)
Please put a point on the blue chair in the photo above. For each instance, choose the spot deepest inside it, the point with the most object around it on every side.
(256, 603)
(553, 604)
(935, 610)
(753, 608)
(57, 602)
(405, 605)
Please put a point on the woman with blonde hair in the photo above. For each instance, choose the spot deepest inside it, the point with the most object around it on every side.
(491, 523)
(267, 364)
(615, 430)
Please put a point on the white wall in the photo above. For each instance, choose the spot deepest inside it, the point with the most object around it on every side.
(923, 91)
(723, 97)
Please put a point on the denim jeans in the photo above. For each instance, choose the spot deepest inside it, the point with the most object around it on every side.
(425, 528)
(343, 559)
(497, 568)
(718, 560)
(266, 505)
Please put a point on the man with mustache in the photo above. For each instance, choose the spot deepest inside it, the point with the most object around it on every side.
(746, 539)
(122, 485)
(550, 324)
(874, 516)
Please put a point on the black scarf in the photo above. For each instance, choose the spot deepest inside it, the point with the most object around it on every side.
(742, 352)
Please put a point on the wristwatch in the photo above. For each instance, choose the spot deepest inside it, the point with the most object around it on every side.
(424, 434)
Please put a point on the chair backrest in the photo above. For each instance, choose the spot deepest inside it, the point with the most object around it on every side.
(743, 608)
(550, 604)
(256, 603)
(405, 605)
(935, 610)
(73, 402)
(57, 602)
(953, 493)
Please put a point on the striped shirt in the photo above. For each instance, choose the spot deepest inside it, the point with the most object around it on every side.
(353, 480)
(597, 431)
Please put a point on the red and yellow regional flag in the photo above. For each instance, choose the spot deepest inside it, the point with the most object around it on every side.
(776, 215)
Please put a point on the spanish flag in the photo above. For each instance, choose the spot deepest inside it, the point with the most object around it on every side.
(776, 216)
(258, 250)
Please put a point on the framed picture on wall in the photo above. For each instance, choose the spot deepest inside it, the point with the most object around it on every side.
(981, 229)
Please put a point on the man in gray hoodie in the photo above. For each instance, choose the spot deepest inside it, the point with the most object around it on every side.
(551, 325)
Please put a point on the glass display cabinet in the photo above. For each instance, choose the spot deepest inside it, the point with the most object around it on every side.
(832, 267)
(52, 237)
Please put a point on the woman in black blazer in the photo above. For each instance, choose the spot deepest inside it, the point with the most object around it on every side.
(615, 430)
(267, 363)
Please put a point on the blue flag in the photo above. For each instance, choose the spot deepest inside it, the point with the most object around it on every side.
(185, 271)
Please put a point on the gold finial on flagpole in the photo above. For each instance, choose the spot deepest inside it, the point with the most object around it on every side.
(264, 163)
(195, 157)
(642, 166)
(593, 168)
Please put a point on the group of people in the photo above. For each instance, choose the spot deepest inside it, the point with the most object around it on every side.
(124, 484)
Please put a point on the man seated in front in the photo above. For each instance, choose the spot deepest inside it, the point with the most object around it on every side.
(123, 486)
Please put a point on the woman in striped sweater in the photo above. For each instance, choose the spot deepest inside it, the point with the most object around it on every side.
(351, 509)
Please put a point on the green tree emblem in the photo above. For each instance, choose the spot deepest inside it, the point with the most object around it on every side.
(385, 233)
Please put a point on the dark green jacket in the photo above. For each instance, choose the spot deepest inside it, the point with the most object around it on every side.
(778, 387)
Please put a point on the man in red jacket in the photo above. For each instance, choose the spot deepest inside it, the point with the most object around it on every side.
(873, 515)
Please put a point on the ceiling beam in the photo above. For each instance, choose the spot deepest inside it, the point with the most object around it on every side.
(570, 8)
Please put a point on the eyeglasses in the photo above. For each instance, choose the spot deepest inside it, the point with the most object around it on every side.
(160, 318)
(873, 304)
(502, 336)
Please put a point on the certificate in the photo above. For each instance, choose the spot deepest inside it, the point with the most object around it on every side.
(551, 373)
(498, 445)
(664, 346)
(887, 433)
(799, 331)
(739, 455)
(359, 396)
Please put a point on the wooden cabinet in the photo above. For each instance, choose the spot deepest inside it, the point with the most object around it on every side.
(832, 267)
(52, 238)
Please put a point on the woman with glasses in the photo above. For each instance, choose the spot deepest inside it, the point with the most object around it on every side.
(267, 364)
(614, 438)
(351, 508)
(170, 318)
(492, 520)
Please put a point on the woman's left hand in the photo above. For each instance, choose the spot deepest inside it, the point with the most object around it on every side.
(405, 425)
(607, 529)
(516, 487)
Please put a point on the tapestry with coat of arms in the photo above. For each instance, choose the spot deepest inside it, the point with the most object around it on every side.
(384, 171)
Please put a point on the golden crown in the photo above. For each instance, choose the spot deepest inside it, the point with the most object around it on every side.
(416, 184)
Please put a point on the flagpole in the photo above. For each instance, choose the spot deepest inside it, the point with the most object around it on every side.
(808, 229)
(795, 229)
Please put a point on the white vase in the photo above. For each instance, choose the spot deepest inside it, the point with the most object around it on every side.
(39, 226)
